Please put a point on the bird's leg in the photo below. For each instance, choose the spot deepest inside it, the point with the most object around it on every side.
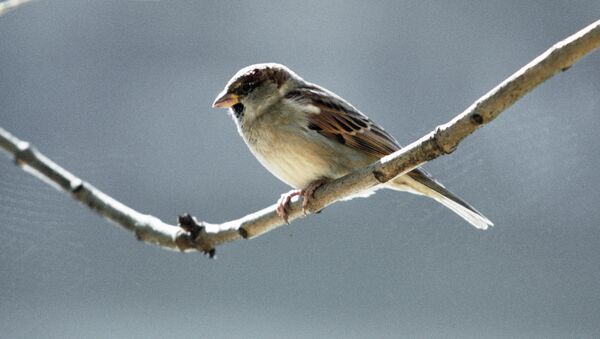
(284, 201)
(309, 192)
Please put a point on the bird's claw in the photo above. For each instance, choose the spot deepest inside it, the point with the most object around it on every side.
(284, 202)
(307, 194)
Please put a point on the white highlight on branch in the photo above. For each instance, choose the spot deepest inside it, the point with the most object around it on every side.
(8, 5)
(205, 237)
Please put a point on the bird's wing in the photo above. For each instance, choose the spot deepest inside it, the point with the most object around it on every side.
(340, 121)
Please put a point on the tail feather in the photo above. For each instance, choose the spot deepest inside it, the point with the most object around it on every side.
(469, 214)
(419, 182)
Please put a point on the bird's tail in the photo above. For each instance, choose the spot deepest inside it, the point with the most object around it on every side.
(419, 182)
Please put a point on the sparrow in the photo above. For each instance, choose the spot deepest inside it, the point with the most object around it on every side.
(306, 135)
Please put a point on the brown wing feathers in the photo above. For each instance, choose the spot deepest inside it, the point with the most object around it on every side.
(343, 123)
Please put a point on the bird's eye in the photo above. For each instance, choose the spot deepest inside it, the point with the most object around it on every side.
(248, 87)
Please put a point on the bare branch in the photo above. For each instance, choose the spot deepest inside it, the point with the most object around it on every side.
(9, 5)
(146, 227)
(202, 236)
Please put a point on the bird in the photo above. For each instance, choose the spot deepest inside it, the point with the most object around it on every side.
(306, 135)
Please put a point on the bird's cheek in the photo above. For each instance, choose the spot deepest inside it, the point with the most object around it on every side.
(238, 110)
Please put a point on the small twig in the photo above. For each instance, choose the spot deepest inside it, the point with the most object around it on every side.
(204, 237)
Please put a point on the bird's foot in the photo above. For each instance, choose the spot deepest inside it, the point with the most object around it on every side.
(284, 202)
(309, 192)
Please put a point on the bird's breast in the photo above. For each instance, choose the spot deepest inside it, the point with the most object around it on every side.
(295, 154)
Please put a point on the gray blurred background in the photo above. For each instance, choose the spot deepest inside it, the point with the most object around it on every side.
(119, 93)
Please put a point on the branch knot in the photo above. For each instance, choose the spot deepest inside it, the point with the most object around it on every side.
(195, 230)
(24, 153)
(439, 140)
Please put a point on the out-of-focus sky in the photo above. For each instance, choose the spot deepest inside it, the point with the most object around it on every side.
(119, 93)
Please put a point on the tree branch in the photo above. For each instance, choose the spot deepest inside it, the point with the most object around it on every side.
(9, 5)
(202, 236)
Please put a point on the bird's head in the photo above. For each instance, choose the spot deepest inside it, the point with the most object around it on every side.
(256, 87)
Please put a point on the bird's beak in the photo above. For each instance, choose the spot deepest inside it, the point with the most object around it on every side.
(225, 100)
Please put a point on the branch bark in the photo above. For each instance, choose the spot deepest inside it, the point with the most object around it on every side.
(191, 235)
